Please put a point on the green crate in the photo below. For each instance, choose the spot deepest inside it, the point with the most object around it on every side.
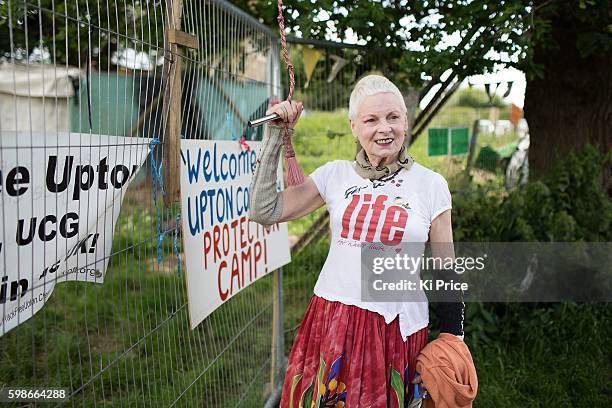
(460, 141)
(437, 142)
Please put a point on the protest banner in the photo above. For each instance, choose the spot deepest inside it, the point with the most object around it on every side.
(61, 196)
(224, 250)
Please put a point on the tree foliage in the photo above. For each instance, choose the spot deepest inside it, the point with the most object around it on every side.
(569, 204)
(77, 30)
(408, 40)
(73, 31)
(422, 38)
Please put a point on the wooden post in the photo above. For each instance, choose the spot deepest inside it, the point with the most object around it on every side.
(173, 71)
(471, 152)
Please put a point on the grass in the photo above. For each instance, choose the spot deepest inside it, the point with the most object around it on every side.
(536, 355)
(128, 341)
(549, 355)
(139, 340)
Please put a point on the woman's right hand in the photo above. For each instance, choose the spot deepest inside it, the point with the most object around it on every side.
(289, 113)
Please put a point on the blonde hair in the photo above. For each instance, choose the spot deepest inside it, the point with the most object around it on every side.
(371, 85)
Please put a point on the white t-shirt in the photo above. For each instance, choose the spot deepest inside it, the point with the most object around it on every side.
(406, 205)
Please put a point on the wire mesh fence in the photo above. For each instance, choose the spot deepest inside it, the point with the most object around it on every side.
(98, 85)
(78, 69)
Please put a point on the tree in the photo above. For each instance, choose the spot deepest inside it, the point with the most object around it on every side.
(568, 100)
(77, 30)
(563, 46)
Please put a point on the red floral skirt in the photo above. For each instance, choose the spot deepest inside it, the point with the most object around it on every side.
(345, 356)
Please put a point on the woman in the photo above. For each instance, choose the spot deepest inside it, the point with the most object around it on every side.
(348, 352)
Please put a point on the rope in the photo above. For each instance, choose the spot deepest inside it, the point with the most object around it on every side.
(289, 152)
(175, 242)
(284, 52)
(156, 175)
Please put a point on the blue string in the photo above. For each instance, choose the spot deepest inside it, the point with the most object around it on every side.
(156, 174)
(175, 241)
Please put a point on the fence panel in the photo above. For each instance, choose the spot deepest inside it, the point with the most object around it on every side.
(84, 68)
(105, 67)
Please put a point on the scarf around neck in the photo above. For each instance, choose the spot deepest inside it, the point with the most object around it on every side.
(365, 169)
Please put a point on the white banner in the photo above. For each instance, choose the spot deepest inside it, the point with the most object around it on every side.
(61, 196)
(225, 251)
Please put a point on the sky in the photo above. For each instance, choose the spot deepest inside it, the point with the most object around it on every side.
(517, 92)
(503, 76)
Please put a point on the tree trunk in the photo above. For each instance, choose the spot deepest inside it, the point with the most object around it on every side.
(572, 104)
(411, 98)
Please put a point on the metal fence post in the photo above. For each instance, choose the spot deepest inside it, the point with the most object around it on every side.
(277, 358)
(278, 352)
(280, 342)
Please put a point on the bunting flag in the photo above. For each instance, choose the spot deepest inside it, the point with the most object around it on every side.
(515, 114)
(339, 63)
(507, 93)
(361, 70)
(311, 57)
(491, 88)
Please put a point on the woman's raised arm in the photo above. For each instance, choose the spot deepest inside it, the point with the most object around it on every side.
(300, 200)
(267, 206)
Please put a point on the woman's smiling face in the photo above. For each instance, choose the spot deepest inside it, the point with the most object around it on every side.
(380, 126)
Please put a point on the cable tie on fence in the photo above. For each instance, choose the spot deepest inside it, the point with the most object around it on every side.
(156, 175)
(242, 142)
(175, 242)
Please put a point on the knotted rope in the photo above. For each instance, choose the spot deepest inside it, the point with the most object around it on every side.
(295, 175)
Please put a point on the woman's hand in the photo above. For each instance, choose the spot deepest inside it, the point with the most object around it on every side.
(289, 113)
(418, 380)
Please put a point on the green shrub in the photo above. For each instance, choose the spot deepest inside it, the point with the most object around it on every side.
(568, 205)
